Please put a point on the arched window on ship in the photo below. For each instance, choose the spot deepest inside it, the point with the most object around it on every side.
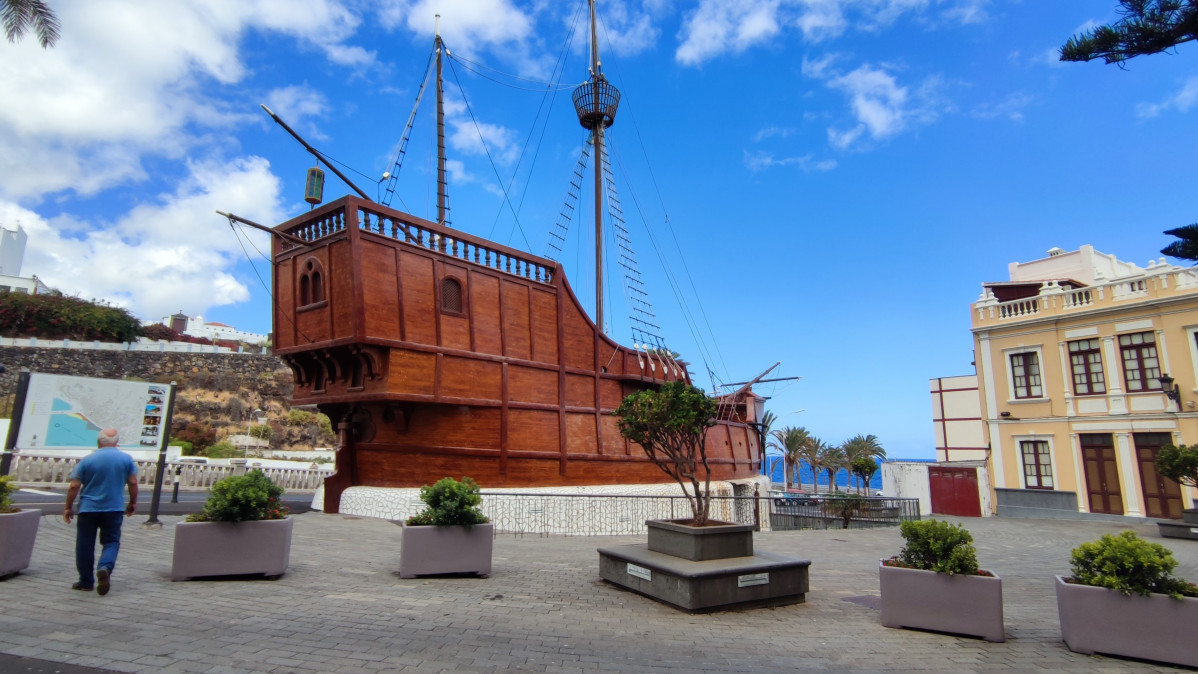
(311, 283)
(451, 296)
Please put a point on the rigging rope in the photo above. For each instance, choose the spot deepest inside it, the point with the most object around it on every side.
(705, 353)
(558, 69)
(544, 86)
(401, 150)
(642, 320)
(487, 150)
(269, 294)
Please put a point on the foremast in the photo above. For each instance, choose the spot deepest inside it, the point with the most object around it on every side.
(595, 103)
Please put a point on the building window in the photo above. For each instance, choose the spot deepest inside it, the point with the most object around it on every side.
(1085, 359)
(451, 296)
(1025, 375)
(1037, 465)
(1141, 367)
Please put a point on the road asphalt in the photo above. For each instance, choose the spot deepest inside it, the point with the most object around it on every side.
(342, 607)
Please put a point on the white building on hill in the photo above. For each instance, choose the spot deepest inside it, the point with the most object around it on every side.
(197, 327)
(12, 256)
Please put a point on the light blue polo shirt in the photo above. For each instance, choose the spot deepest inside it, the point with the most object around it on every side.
(104, 474)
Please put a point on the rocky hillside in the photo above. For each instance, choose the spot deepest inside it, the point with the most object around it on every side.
(217, 393)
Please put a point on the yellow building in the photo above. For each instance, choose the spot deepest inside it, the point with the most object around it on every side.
(1086, 367)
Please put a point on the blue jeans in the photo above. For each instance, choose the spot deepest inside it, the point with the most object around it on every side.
(109, 526)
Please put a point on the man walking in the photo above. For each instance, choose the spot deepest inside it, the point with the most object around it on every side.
(99, 480)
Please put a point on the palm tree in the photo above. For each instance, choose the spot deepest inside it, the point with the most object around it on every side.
(18, 15)
(764, 434)
(864, 447)
(811, 453)
(791, 440)
(832, 460)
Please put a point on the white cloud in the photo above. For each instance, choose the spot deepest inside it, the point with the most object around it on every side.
(297, 104)
(483, 139)
(758, 161)
(625, 31)
(475, 22)
(1181, 101)
(881, 107)
(161, 256)
(771, 132)
(133, 79)
(718, 27)
(1012, 108)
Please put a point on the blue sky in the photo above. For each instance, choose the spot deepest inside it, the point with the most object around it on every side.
(839, 176)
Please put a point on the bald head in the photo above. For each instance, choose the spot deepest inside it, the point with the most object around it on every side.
(109, 437)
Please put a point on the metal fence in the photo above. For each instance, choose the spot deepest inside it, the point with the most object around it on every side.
(603, 514)
(839, 512)
(33, 469)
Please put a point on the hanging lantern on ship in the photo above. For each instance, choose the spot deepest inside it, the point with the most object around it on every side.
(314, 186)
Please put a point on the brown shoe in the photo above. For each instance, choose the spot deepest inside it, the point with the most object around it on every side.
(102, 584)
(81, 587)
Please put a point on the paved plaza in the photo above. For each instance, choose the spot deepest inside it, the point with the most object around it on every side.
(343, 608)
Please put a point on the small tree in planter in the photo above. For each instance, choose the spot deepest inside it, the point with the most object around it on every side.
(1179, 463)
(1122, 599)
(243, 529)
(18, 531)
(934, 583)
(670, 424)
(451, 535)
(845, 506)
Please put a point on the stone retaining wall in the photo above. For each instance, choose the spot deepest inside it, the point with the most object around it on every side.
(266, 374)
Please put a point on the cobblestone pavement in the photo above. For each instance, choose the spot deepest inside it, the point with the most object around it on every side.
(341, 607)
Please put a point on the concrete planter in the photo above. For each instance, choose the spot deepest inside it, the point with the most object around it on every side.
(1186, 528)
(429, 550)
(205, 549)
(718, 540)
(928, 600)
(18, 531)
(1156, 627)
(705, 568)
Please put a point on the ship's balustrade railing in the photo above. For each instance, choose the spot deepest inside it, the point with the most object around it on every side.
(333, 219)
(33, 469)
(320, 224)
(462, 247)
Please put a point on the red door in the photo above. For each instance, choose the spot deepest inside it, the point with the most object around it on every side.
(955, 491)
(1102, 473)
(1162, 496)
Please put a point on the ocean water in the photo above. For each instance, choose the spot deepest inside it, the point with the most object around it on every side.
(774, 466)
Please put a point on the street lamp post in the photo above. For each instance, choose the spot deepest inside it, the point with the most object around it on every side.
(255, 417)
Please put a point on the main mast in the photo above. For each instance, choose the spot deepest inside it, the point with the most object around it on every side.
(439, 47)
(595, 103)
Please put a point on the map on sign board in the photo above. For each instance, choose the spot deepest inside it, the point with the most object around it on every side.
(63, 412)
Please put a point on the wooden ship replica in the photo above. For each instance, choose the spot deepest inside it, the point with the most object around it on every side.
(438, 353)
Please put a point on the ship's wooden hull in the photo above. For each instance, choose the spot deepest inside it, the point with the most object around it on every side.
(439, 354)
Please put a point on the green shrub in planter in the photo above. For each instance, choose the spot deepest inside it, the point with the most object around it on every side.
(6, 490)
(243, 498)
(1128, 563)
(936, 545)
(450, 502)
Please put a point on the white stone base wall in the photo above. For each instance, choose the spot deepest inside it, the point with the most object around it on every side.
(565, 510)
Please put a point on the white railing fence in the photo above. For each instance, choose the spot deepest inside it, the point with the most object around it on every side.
(33, 469)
